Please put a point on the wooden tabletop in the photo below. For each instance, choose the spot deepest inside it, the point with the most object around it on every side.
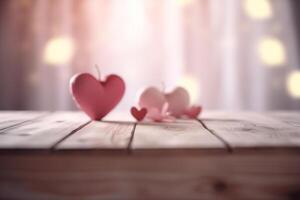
(48, 155)
(228, 132)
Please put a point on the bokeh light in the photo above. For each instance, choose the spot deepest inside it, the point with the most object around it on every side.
(58, 51)
(184, 2)
(258, 9)
(271, 52)
(293, 84)
(191, 84)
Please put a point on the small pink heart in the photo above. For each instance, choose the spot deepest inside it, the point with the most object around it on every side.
(139, 115)
(193, 111)
(158, 115)
(178, 100)
(96, 98)
(152, 98)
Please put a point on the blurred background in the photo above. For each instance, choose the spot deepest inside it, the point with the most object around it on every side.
(230, 54)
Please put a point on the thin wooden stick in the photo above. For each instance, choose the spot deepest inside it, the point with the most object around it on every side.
(98, 71)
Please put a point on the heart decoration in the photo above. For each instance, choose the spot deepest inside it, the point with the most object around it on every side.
(163, 106)
(95, 97)
(160, 115)
(193, 111)
(177, 101)
(139, 115)
(152, 98)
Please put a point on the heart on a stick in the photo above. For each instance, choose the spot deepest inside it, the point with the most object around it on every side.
(178, 100)
(95, 97)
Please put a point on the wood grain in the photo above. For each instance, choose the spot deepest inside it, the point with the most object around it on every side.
(13, 118)
(182, 134)
(81, 176)
(100, 135)
(291, 118)
(252, 130)
(42, 133)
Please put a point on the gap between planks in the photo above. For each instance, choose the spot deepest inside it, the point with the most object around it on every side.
(99, 136)
(179, 136)
(129, 147)
(70, 140)
(53, 148)
(252, 131)
(226, 144)
(41, 133)
(238, 125)
(24, 122)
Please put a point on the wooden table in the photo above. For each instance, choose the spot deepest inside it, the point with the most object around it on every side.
(63, 155)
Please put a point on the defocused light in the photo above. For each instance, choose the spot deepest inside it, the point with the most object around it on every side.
(271, 52)
(293, 84)
(258, 9)
(191, 84)
(58, 51)
(184, 2)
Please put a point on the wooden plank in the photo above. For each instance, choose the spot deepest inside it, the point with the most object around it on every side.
(82, 176)
(252, 130)
(42, 133)
(291, 118)
(100, 135)
(119, 117)
(182, 134)
(13, 118)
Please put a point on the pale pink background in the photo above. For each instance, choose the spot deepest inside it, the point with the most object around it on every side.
(147, 42)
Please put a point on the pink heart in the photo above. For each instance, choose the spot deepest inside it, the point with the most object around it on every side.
(139, 115)
(178, 100)
(193, 111)
(160, 115)
(152, 98)
(97, 98)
